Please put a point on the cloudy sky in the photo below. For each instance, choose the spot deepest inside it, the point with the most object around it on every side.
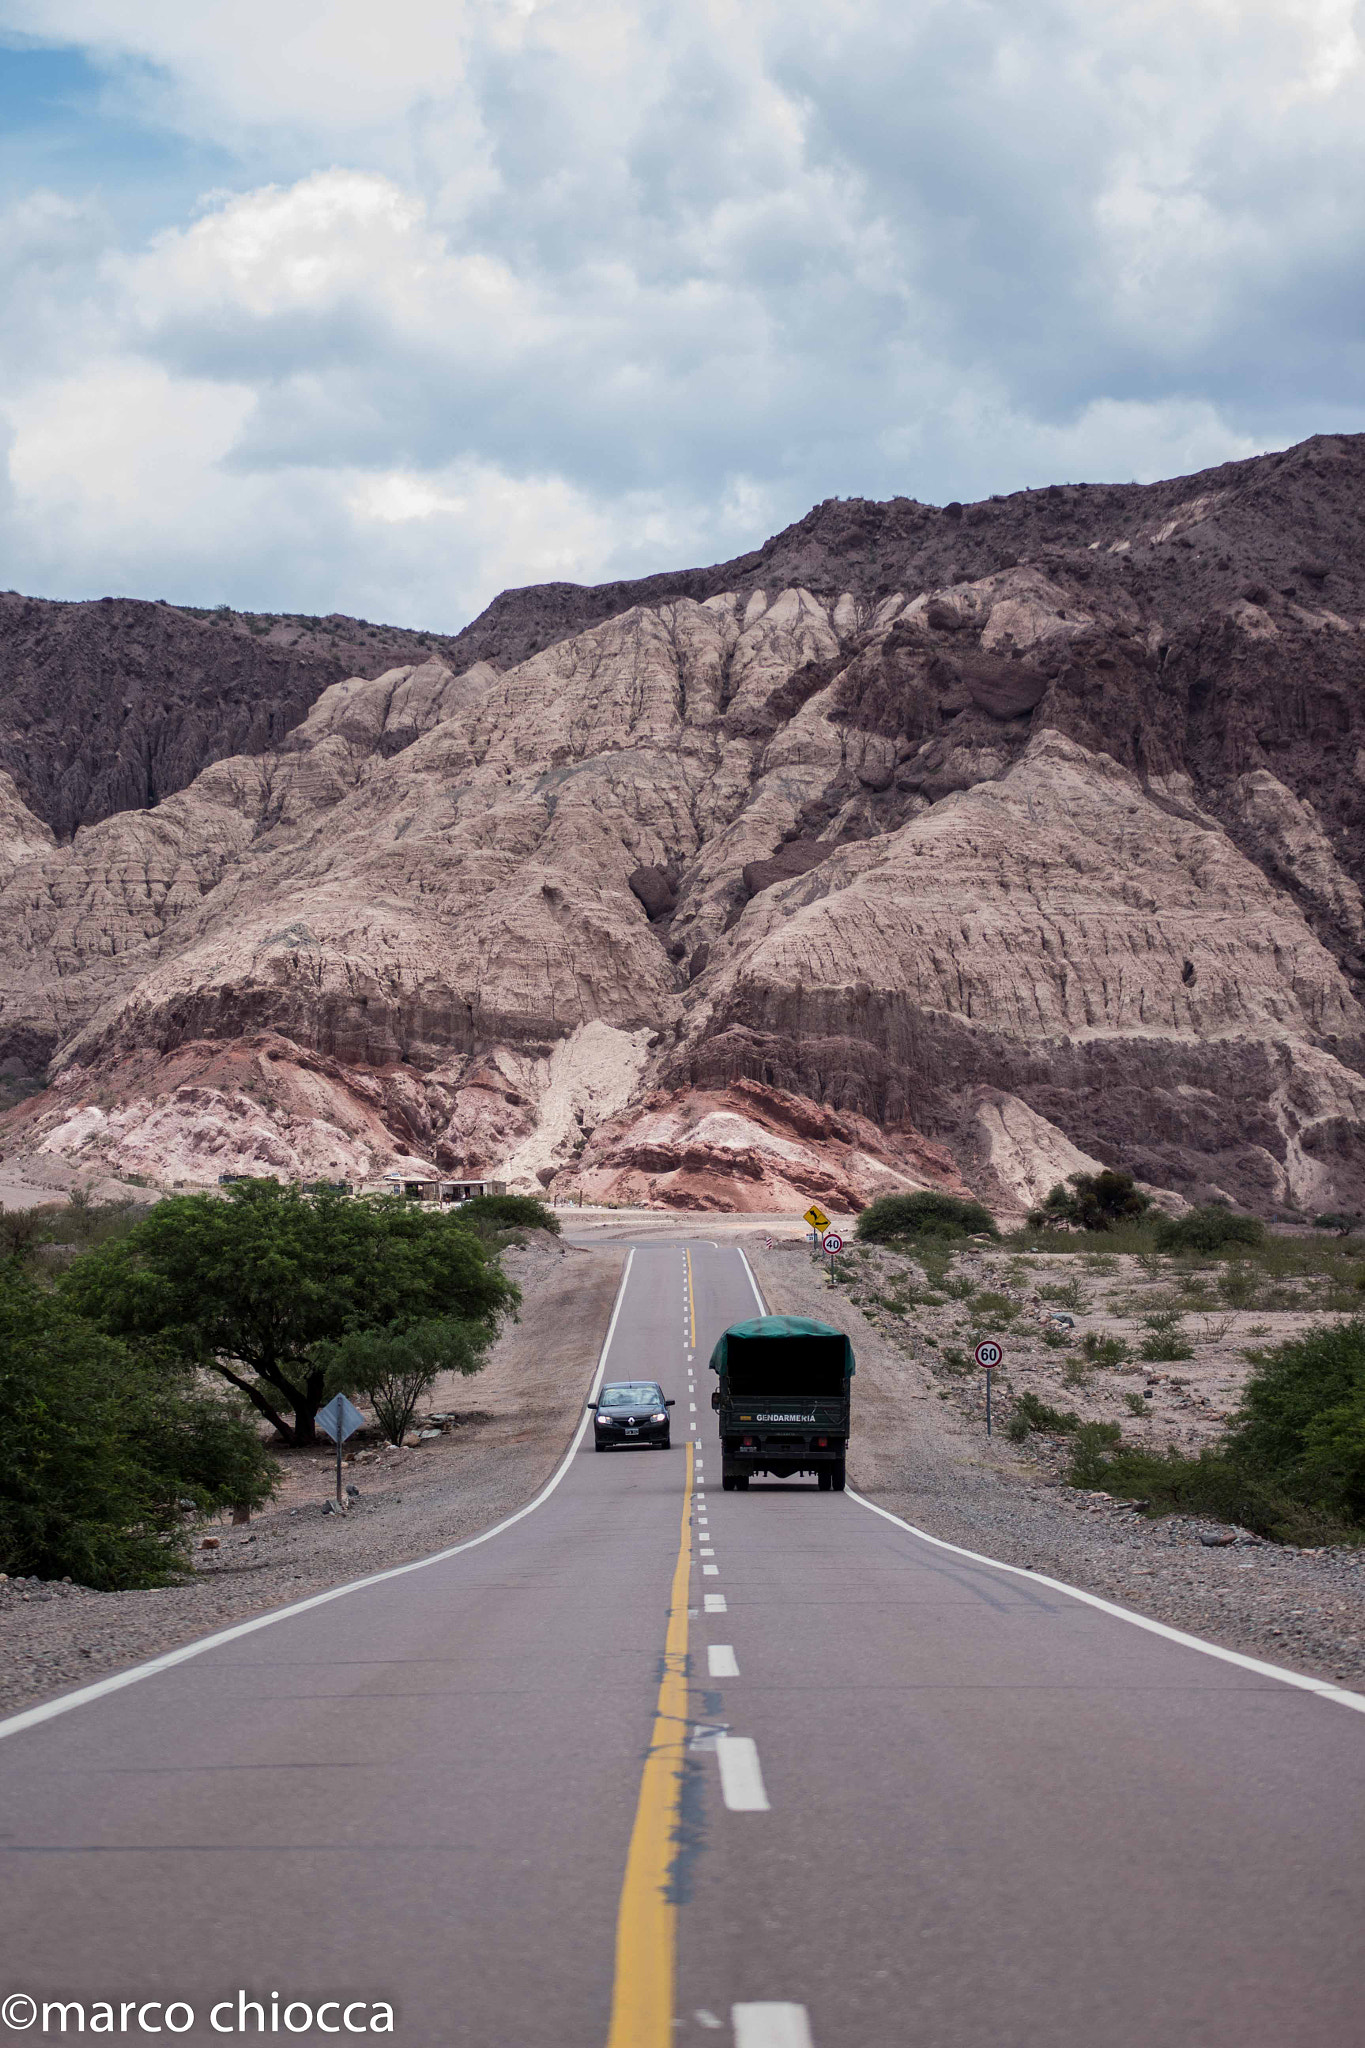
(317, 304)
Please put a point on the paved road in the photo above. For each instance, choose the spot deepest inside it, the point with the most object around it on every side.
(924, 1803)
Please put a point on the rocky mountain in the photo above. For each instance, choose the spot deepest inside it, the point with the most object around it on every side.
(952, 846)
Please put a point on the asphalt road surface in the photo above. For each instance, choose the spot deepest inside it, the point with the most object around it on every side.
(657, 1763)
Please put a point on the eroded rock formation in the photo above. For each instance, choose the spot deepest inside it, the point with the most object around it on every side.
(749, 893)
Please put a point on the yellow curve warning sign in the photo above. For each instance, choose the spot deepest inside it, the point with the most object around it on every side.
(817, 1218)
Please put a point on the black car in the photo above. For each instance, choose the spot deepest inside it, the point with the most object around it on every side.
(629, 1413)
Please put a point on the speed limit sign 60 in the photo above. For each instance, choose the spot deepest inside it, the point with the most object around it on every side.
(989, 1354)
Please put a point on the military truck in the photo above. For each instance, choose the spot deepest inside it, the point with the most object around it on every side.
(783, 1400)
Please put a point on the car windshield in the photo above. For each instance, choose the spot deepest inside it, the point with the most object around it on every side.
(637, 1394)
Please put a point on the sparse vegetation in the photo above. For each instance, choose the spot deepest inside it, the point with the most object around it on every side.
(1092, 1202)
(931, 1214)
(1210, 1229)
(1104, 1350)
(1166, 1339)
(1292, 1466)
(508, 1212)
(1029, 1414)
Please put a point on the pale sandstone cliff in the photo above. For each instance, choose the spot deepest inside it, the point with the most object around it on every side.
(738, 899)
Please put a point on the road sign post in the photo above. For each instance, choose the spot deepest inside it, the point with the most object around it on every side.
(988, 1357)
(338, 1420)
(818, 1221)
(833, 1244)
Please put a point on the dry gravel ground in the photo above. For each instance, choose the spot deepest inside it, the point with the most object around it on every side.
(516, 1420)
(920, 1449)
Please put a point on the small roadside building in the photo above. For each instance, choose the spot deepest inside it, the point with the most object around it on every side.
(424, 1188)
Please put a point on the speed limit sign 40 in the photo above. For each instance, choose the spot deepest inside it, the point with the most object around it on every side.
(832, 1242)
(989, 1354)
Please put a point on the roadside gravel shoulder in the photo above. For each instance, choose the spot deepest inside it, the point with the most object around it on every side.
(918, 1452)
(517, 1417)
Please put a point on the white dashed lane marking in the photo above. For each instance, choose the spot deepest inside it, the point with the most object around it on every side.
(720, 1661)
(741, 1780)
(715, 1603)
(706, 1553)
(771, 2026)
(710, 1571)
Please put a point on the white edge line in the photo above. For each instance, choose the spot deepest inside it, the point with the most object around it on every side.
(762, 1304)
(1321, 1686)
(66, 1701)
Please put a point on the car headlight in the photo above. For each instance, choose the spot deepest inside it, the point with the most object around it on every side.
(604, 1422)
(662, 1416)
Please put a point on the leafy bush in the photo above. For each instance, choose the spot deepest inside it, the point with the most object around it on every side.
(1135, 1404)
(513, 1212)
(101, 1444)
(956, 1360)
(1210, 1229)
(987, 1307)
(250, 1287)
(1066, 1294)
(1103, 1350)
(926, 1215)
(1091, 1443)
(1166, 1338)
(1029, 1413)
(1092, 1201)
(1340, 1221)
(1293, 1464)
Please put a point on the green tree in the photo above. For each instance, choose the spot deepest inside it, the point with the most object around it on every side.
(394, 1368)
(1210, 1229)
(930, 1214)
(1092, 1201)
(257, 1285)
(101, 1446)
(510, 1212)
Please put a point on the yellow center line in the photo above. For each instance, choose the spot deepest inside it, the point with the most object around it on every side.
(647, 1918)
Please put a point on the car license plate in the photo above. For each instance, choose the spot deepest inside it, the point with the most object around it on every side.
(632, 1432)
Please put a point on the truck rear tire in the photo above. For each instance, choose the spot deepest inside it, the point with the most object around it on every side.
(836, 1477)
(727, 1485)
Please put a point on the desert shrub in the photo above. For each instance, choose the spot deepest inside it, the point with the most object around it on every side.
(955, 1359)
(1239, 1286)
(1092, 1441)
(101, 1445)
(1166, 1339)
(1210, 1229)
(1103, 1350)
(1135, 1404)
(960, 1287)
(1291, 1467)
(1342, 1222)
(1066, 1294)
(1092, 1202)
(1029, 1413)
(987, 1307)
(512, 1212)
(925, 1215)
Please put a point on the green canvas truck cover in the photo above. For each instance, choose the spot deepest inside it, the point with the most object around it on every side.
(800, 1334)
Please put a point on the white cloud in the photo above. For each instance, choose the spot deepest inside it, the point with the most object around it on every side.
(575, 288)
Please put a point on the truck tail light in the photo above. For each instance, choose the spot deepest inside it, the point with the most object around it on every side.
(748, 1443)
(822, 1443)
